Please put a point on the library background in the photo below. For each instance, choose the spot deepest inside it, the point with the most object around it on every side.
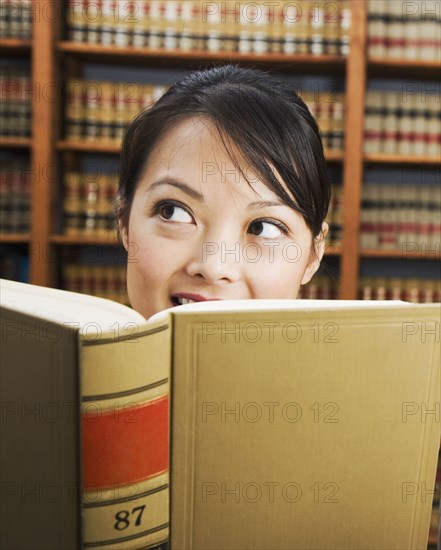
(74, 73)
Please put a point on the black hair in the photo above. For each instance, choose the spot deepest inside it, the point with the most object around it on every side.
(256, 114)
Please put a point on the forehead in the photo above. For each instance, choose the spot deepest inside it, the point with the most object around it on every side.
(194, 149)
(190, 141)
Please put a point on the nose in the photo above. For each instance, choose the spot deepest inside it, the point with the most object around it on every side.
(216, 261)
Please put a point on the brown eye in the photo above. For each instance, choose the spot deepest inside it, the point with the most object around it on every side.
(256, 228)
(167, 211)
(172, 212)
(268, 229)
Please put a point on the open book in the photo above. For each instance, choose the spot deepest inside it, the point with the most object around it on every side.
(284, 424)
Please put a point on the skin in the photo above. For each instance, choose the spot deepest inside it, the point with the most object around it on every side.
(224, 247)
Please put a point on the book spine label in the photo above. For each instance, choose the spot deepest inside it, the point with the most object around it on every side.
(125, 477)
(125, 438)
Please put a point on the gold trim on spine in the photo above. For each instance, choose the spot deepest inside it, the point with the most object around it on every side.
(121, 367)
(126, 404)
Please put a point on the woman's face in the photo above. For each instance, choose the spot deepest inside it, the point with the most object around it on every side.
(198, 231)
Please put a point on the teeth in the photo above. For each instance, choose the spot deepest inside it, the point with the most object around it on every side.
(183, 301)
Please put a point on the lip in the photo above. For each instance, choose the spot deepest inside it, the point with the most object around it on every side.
(194, 297)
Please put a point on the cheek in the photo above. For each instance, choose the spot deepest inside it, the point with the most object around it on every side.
(149, 263)
(281, 277)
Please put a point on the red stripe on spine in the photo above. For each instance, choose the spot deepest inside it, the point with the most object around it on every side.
(126, 445)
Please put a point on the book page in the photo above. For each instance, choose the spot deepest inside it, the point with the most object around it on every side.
(64, 307)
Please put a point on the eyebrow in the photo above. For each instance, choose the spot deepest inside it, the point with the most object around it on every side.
(173, 182)
(263, 204)
(166, 180)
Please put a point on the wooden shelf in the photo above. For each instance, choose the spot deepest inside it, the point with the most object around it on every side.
(333, 249)
(19, 142)
(381, 158)
(15, 46)
(89, 146)
(15, 238)
(391, 67)
(97, 240)
(421, 255)
(334, 156)
(327, 63)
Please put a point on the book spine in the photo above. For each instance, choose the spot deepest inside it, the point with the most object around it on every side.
(405, 137)
(373, 122)
(304, 28)
(332, 18)
(72, 203)
(410, 38)
(89, 201)
(74, 110)
(317, 25)
(390, 123)
(345, 25)
(433, 130)
(395, 41)
(172, 14)
(388, 218)
(76, 21)
(434, 216)
(368, 229)
(291, 24)
(125, 440)
(424, 218)
(376, 29)
(155, 33)
(419, 125)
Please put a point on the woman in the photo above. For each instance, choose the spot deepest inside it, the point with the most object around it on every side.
(223, 192)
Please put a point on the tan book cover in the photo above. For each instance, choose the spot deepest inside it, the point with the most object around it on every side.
(297, 427)
(84, 439)
(285, 415)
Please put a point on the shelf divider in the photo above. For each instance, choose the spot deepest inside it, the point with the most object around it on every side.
(44, 120)
(353, 155)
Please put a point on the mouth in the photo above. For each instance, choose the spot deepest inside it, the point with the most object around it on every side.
(182, 298)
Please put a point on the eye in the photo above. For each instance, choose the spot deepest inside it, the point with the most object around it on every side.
(268, 229)
(173, 212)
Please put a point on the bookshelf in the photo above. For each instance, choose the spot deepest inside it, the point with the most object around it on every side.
(49, 51)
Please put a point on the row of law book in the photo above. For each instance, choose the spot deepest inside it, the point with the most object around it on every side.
(15, 199)
(321, 287)
(104, 281)
(302, 27)
(88, 203)
(397, 216)
(408, 290)
(15, 102)
(324, 287)
(102, 110)
(402, 123)
(16, 19)
(404, 30)
(329, 112)
(97, 111)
